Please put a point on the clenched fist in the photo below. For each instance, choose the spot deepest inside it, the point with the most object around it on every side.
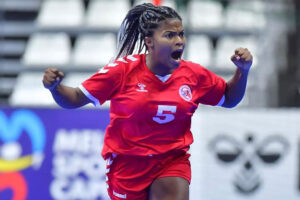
(242, 58)
(52, 78)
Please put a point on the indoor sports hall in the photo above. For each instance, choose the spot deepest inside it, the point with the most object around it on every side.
(251, 151)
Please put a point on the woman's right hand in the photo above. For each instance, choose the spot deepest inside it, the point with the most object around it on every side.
(52, 78)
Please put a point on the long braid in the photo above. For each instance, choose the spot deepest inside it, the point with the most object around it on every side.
(140, 22)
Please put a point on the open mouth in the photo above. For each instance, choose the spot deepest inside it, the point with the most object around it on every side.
(176, 55)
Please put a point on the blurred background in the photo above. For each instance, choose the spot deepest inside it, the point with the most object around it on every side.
(71, 34)
(242, 153)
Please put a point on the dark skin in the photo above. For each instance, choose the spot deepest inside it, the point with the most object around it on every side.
(167, 38)
(169, 188)
(66, 97)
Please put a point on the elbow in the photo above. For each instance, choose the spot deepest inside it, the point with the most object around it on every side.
(230, 104)
(68, 106)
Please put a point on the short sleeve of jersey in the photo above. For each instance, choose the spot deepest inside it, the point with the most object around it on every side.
(211, 88)
(104, 84)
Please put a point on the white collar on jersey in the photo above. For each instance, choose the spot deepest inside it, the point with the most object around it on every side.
(163, 78)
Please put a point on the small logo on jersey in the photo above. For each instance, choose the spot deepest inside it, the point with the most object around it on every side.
(185, 92)
(141, 87)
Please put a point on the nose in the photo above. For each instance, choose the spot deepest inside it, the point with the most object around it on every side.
(180, 41)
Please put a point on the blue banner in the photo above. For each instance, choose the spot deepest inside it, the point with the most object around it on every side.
(52, 154)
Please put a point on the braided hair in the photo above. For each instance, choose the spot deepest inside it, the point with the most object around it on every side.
(140, 22)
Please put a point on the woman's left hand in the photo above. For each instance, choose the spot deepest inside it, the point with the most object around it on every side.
(242, 58)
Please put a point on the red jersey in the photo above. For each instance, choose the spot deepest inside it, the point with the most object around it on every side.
(149, 116)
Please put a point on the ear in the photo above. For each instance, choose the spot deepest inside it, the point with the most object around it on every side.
(148, 42)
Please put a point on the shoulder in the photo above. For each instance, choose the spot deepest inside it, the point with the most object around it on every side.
(194, 67)
(203, 74)
(130, 60)
(124, 64)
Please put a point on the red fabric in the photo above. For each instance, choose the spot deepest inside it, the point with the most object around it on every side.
(131, 176)
(156, 2)
(149, 116)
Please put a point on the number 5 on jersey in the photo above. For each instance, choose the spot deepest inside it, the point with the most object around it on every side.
(163, 118)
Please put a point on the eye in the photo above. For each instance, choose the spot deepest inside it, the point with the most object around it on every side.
(181, 34)
(170, 35)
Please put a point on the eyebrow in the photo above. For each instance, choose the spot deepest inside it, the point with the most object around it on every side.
(174, 31)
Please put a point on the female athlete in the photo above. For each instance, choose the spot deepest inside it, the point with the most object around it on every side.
(153, 97)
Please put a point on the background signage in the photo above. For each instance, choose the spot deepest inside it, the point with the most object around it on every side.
(237, 154)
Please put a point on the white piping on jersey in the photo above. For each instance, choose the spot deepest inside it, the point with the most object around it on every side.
(122, 196)
(122, 60)
(102, 71)
(221, 101)
(163, 78)
(109, 161)
(130, 57)
(91, 97)
(112, 64)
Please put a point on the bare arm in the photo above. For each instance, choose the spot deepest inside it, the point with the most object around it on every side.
(64, 96)
(236, 86)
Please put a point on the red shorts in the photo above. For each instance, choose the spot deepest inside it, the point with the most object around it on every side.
(129, 177)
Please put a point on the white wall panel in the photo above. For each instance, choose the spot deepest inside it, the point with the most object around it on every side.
(262, 152)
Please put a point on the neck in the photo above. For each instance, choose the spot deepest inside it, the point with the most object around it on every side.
(156, 67)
